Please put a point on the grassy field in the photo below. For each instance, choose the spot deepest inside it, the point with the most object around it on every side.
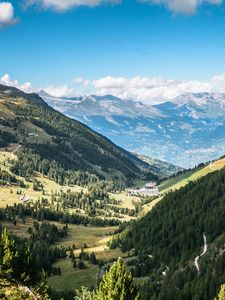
(80, 235)
(72, 279)
(182, 180)
(126, 201)
(19, 229)
(9, 194)
(95, 240)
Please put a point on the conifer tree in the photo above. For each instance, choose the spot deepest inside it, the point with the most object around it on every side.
(84, 294)
(116, 284)
(8, 255)
(221, 295)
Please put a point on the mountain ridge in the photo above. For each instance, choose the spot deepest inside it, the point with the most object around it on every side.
(184, 131)
(31, 122)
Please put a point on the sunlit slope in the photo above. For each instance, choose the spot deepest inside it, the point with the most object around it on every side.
(27, 122)
(177, 182)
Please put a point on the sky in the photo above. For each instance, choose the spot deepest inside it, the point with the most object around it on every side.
(146, 50)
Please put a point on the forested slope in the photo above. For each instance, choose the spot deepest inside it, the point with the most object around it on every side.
(56, 142)
(170, 237)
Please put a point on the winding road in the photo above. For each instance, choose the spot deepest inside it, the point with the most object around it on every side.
(203, 253)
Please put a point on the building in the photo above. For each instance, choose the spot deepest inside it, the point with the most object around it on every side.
(149, 190)
(151, 185)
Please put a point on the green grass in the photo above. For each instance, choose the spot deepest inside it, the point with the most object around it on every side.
(9, 196)
(167, 184)
(19, 229)
(182, 180)
(71, 279)
(91, 236)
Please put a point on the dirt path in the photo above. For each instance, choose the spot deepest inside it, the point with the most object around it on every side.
(203, 253)
(17, 148)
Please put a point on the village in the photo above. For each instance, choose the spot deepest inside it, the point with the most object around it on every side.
(150, 189)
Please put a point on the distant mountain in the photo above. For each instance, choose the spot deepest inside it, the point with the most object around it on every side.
(159, 167)
(57, 142)
(185, 131)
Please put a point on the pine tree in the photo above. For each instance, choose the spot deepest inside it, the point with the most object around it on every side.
(221, 295)
(116, 284)
(43, 287)
(84, 294)
(8, 255)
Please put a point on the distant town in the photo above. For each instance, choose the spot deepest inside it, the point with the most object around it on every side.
(150, 189)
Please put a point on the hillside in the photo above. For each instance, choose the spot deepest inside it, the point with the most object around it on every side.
(159, 167)
(168, 242)
(51, 140)
(182, 179)
(185, 131)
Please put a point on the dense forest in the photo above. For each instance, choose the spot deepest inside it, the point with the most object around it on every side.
(6, 138)
(169, 238)
(41, 213)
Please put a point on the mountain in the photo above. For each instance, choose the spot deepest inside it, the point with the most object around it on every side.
(159, 167)
(185, 131)
(53, 143)
(178, 247)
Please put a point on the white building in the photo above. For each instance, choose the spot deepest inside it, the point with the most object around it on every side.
(150, 189)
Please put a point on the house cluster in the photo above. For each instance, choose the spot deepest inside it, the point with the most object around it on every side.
(150, 189)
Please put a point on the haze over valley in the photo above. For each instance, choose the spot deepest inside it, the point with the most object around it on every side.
(185, 131)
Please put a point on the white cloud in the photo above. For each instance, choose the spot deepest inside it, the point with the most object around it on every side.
(63, 5)
(152, 90)
(6, 14)
(81, 81)
(56, 91)
(59, 91)
(149, 90)
(188, 7)
(26, 87)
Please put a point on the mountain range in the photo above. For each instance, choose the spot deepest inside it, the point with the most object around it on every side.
(47, 137)
(185, 131)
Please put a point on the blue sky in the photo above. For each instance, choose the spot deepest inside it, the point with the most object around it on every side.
(126, 40)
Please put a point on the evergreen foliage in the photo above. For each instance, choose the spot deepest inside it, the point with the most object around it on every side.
(171, 236)
(18, 270)
(116, 284)
(9, 179)
(84, 294)
(221, 295)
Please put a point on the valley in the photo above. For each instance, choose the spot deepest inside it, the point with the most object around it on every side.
(88, 239)
(185, 131)
(84, 218)
(112, 150)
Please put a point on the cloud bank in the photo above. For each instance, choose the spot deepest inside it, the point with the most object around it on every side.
(54, 90)
(7, 15)
(187, 7)
(64, 5)
(148, 90)
(26, 87)
(59, 91)
(152, 90)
